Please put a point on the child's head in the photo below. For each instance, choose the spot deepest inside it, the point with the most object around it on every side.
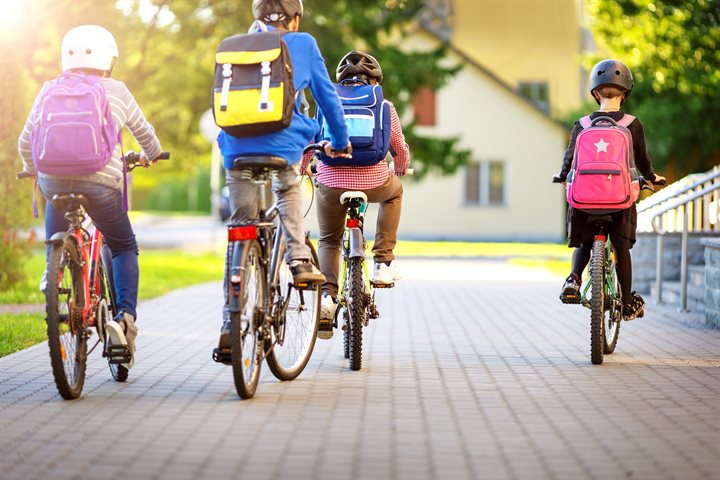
(610, 79)
(279, 13)
(90, 49)
(359, 67)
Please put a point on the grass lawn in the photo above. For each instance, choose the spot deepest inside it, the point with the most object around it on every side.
(160, 272)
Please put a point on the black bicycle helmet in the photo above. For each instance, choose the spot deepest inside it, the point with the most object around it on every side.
(611, 73)
(357, 64)
(270, 11)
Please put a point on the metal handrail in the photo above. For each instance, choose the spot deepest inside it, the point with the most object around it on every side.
(657, 226)
(656, 200)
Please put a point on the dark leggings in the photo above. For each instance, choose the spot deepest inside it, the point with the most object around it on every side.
(623, 262)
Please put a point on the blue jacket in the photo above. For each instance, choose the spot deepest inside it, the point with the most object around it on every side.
(308, 71)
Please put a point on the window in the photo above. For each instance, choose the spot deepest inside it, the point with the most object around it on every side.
(485, 183)
(423, 101)
(537, 92)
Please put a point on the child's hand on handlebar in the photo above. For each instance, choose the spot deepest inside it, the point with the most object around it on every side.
(333, 153)
(659, 180)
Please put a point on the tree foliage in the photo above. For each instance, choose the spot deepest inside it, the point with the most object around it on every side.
(673, 49)
(167, 58)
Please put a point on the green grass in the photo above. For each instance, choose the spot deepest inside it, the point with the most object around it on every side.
(20, 331)
(160, 272)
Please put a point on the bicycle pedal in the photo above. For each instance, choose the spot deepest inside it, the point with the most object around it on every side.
(118, 354)
(222, 356)
(571, 299)
(382, 285)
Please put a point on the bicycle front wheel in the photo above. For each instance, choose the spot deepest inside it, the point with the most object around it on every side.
(67, 337)
(247, 320)
(597, 302)
(293, 334)
(357, 311)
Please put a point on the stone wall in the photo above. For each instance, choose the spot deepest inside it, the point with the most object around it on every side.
(712, 281)
(644, 255)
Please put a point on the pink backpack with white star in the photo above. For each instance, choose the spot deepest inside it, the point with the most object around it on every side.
(603, 177)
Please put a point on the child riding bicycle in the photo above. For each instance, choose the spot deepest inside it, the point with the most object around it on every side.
(381, 185)
(308, 72)
(611, 83)
(89, 53)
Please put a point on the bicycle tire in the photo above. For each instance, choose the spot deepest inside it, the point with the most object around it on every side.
(67, 337)
(613, 317)
(107, 294)
(597, 302)
(357, 310)
(299, 328)
(346, 333)
(245, 352)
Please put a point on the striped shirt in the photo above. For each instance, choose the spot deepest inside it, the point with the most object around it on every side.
(125, 112)
(366, 178)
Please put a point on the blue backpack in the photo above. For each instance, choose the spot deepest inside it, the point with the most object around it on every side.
(367, 116)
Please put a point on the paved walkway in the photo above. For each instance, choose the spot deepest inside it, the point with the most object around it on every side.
(474, 371)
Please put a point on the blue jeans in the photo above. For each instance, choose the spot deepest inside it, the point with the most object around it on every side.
(107, 212)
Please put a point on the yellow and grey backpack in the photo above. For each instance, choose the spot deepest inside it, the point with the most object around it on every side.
(253, 91)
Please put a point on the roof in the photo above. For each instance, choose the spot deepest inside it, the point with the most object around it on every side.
(492, 76)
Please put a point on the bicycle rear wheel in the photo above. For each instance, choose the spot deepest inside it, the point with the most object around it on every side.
(246, 321)
(67, 336)
(293, 336)
(597, 302)
(357, 311)
(613, 315)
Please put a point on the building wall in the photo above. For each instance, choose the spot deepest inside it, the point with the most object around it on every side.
(495, 125)
(525, 41)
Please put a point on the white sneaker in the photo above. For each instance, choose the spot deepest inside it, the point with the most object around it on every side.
(327, 316)
(122, 331)
(385, 274)
(43, 281)
(327, 307)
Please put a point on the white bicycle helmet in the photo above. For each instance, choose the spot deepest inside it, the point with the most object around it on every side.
(89, 46)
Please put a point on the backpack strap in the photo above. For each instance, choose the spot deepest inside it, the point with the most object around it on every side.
(585, 121)
(625, 121)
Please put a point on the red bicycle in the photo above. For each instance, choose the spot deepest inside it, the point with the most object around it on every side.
(80, 294)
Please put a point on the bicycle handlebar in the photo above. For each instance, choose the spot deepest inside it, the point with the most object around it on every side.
(319, 147)
(132, 159)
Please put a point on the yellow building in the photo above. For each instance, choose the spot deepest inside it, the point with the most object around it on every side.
(532, 45)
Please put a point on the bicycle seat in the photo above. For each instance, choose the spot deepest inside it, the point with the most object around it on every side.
(69, 201)
(352, 195)
(260, 162)
(602, 219)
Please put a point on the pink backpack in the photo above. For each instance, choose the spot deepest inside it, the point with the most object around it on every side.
(74, 133)
(603, 177)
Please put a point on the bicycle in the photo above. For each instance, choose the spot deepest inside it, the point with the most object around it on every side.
(605, 300)
(271, 318)
(80, 294)
(356, 298)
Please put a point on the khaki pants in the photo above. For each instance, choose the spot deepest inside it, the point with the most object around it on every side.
(331, 219)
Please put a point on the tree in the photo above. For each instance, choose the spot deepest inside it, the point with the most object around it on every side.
(673, 49)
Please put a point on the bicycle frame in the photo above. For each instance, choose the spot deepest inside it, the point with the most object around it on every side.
(89, 249)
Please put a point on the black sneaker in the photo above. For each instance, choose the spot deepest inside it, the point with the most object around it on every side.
(634, 310)
(222, 353)
(571, 289)
(304, 272)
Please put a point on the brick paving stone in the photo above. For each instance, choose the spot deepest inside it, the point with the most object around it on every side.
(475, 370)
